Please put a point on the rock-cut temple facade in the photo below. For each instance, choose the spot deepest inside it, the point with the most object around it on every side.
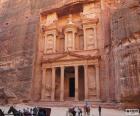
(69, 50)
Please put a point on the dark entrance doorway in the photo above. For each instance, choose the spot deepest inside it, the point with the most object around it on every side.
(71, 87)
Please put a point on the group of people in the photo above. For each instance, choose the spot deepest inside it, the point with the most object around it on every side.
(30, 111)
(25, 112)
(36, 111)
(77, 111)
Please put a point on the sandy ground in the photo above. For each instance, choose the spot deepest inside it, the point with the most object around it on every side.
(94, 112)
(62, 111)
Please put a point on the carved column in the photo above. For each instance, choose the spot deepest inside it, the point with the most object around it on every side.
(85, 42)
(53, 84)
(45, 46)
(86, 81)
(62, 84)
(65, 43)
(97, 81)
(43, 83)
(76, 83)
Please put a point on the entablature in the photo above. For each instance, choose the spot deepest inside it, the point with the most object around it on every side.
(71, 56)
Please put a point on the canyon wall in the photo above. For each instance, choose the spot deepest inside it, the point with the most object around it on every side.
(120, 51)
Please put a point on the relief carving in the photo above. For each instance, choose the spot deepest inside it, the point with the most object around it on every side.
(92, 81)
(50, 41)
(90, 38)
(48, 90)
(69, 40)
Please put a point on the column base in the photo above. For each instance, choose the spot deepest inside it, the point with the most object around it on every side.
(43, 100)
(93, 100)
(61, 100)
(76, 100)
(53, 100)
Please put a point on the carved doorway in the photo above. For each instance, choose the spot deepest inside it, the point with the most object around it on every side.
(71, 87)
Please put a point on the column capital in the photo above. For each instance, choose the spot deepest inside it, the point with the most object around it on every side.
(43, 68)
(62, 67)
(97, 65)
(75, 66)
(53, 68)
(85, 65)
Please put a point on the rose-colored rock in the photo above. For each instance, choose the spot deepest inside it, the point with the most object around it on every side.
(47, 45)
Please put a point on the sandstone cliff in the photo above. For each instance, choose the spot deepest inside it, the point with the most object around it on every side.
(19, 33)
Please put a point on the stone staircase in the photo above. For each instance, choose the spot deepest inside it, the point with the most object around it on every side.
(75, 103)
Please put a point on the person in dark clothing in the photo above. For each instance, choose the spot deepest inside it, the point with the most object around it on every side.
(100, 110)
(35, 111)
(42, 112)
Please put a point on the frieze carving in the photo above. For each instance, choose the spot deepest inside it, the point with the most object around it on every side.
(47, 90)
(49, 42)
(90, 38)
(90, 41)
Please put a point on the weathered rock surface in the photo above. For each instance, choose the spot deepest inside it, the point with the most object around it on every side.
(19, 33)
(125, 39)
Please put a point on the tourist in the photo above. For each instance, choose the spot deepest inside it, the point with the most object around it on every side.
(35, 111)
(87, 108)
(31, 111)
(80, 111)
(20, 113)
(26, 112)
(100, 109)
(76, 109)
(41, 113)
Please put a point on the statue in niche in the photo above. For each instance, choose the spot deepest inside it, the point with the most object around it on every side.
(90, 37)
(70, 19)
(50, 41)
(47, 90)
(69, 39)
(92, 77)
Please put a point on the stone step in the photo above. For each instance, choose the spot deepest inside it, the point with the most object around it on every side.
(75, 103)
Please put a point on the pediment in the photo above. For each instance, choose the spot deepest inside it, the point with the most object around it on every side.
(68, 57)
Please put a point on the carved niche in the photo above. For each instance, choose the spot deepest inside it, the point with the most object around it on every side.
(50, 41)
(90, 36)
(70, 31)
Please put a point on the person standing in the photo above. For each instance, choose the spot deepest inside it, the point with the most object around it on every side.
(100, 110)
(35, 111)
